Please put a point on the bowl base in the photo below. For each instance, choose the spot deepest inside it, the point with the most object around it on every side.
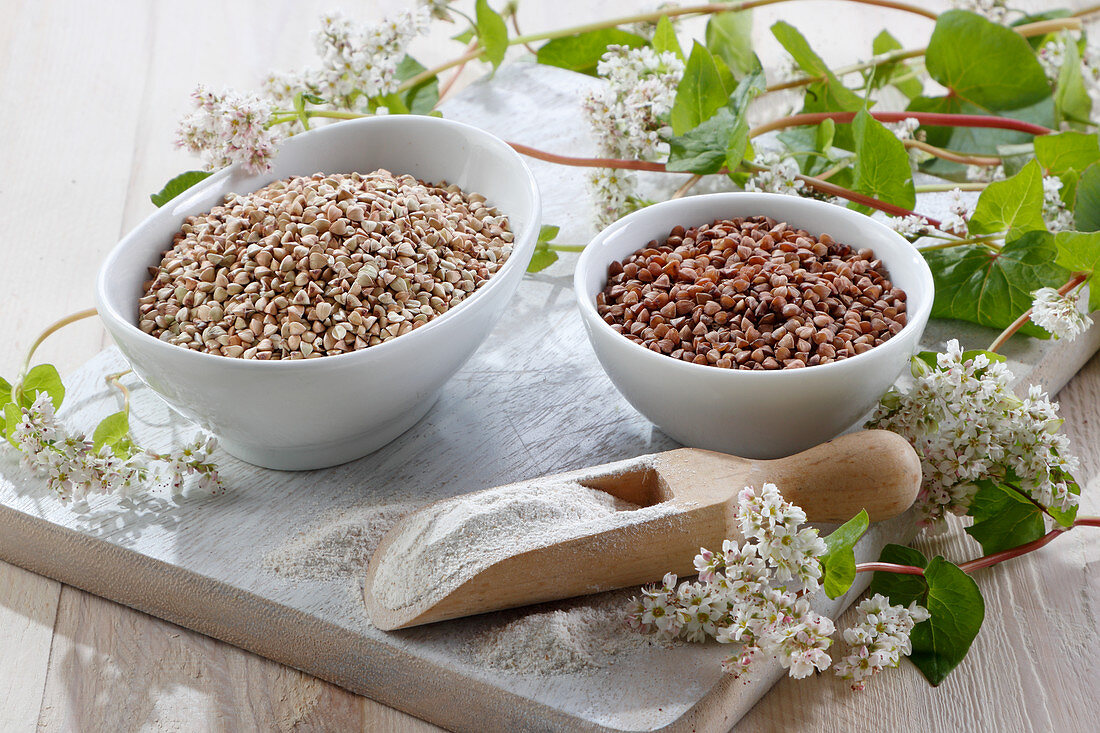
(285, 458)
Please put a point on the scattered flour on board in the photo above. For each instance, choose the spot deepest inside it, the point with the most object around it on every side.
(338, 545)
(576, 638)
(447, 543)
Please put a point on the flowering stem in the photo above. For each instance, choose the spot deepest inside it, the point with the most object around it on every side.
(707, 9)
(1027, 31)
(458, 71)
(1016, 325)
(53, 328)
(970, 186)
(637, 165)
(831, 189)
(957, 242)
(687, 186)
(952, 155)
(888, 567)
(112, 379)
(925, 118)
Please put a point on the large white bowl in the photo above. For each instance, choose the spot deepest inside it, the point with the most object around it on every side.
(754, 414)
(313, 413)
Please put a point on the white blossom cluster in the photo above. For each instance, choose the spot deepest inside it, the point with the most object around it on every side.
(229, 128)
(910, 227)
(358, 61)
(985, 173)
(74, 470)
(957, 221)
(879, 639)
(1059, 314)
(1056, 215)
(629, 118)
(780, 175)
(994, 10)
(739, 596)
(966, 425)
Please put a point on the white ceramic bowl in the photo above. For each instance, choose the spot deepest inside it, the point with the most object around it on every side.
(313, 413)
(754, 414)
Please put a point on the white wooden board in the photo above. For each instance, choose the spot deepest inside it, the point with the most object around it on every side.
(532, 401)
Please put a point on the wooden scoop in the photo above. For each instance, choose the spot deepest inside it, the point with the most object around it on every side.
(874, 470)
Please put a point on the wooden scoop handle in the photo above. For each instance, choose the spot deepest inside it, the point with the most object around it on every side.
(873, 470)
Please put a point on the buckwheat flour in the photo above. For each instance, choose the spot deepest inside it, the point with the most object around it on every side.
(442, 546)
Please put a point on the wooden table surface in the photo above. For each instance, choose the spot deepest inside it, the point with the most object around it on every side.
(91, 93)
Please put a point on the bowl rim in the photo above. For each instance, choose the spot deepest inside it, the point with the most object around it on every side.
(523, 241)
(587, 304)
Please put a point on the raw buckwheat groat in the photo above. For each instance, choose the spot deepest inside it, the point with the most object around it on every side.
(752, 293)
(320, 265)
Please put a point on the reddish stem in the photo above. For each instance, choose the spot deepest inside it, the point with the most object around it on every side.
(889, 567)
(1016, 325)
(925, 118)
(986, 560)
(639, 165)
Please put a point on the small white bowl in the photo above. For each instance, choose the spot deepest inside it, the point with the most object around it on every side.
(313, 413)
(753, 414)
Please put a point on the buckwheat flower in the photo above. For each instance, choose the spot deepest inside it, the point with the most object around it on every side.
(779, 176)
(1056, 215)
(774, 523)
(613, 194)
(359, 62)
(1051, 57)
(1059, 314)
(229, 128)
(956, 222)
(985, 173)
(966, 425)
(440, 9)
(910, 227)
(629, 114)
(879, 638)
(905, 129)
(994, 10)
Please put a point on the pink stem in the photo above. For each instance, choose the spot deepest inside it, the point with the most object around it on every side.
(925, 118)
(889, 567)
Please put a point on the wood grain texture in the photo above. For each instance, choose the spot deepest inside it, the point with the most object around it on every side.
(99, 87)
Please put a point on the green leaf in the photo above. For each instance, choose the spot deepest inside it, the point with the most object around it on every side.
(664, 39)
(5, 391)
(882, 163)
(42, 378)
(720, 140)
(1071, 97)
(993, 288)
(827, 95)
(1014, 205)
(492, 33)
(111, 430)
(1066, 517)
(729, 36)
(701, 93)
(955, 606)
(978, 140)
(839, 560)
(12, 416)
(312, 98)
(178, 185)
(984, 62)
(465, 36)
(422, 98)
(1003, 518)
(582, 52)
(544, 256)
(1086, 210)
(1080, 252)
(890, 73)
(1063, 151)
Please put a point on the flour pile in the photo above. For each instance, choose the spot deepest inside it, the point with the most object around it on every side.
(449, 542)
